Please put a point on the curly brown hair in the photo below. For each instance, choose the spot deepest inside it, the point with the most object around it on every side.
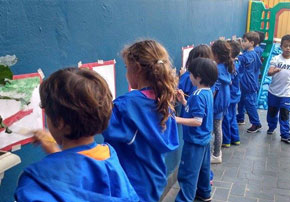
(80, 97)
(156, 67)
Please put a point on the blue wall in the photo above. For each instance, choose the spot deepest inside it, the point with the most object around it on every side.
(59, 33)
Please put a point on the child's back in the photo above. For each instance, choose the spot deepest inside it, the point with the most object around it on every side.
(250, 66)
(78, 105)
(86, 173)
(137, 136)
(142, 127)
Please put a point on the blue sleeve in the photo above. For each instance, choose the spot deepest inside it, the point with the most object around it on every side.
(118, 129)
(245, 60)
(197, 107)
(28, 190)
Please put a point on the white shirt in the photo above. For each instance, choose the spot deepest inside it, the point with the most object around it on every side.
(280, 85)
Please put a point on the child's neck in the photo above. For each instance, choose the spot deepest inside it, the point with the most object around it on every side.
(68, 144)
(250, 49)
(199, 86)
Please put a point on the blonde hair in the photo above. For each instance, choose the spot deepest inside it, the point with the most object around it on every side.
(156, 67)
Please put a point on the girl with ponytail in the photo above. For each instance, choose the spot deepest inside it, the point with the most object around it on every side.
(142, 127)
(222, 55)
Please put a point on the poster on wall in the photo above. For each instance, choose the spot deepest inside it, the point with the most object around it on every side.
(185, 53)
(106, 69)
(19, 110)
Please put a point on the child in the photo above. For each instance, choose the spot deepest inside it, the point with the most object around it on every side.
(194, 168)
(142, 128)
(279, 92)
(78, 105)
(221, 52)
(230, 125)
(258, 49)
(250, 66)
(184, 81)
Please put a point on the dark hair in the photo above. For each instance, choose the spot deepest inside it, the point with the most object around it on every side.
(155, 65)
(203, 51)
(235, 48)
(252, 37)
(80, 97)
(204, 68)
(285, 38)
(261, 36)
(222, 51)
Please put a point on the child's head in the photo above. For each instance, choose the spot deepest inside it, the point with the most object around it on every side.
(148, 64)
(261, 37)
(250, 40)
(235, 48)
(285, 45)
(203, 51)
(205, 69)
(77, 102)
(222, 53)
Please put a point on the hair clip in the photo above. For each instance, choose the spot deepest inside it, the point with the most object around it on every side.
(160, 62)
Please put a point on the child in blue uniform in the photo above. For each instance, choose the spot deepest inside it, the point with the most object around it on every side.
(78, 105)
(258, 49)
(250, 68)
(230, 125)
(279, 92)
(142, 128)
(221, 51)
(194, 168)
(185, 84)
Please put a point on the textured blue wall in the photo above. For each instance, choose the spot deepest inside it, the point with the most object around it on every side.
(58, 33)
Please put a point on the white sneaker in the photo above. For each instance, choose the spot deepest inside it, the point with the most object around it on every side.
(216, 159)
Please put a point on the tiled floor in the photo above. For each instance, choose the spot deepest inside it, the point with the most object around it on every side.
(256, 171)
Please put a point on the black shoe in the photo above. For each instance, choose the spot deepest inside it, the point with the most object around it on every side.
(270, 131)
(241, 122)
(200, 198)
(254, 129)
(286, 140)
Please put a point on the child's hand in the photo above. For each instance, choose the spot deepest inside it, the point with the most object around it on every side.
(45, 139)
(276, 70)
(180, 96)
(182, 71)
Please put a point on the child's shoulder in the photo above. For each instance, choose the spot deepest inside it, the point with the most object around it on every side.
(201, 94)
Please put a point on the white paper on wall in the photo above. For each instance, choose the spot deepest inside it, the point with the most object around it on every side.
(21, 116)
(107, 70)
(185, 54)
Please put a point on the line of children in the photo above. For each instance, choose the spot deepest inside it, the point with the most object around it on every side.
(194, 168)
(142, 128)
(78, 105)
(250, 68)
(221, 52)
(279, 91)
(230, 125)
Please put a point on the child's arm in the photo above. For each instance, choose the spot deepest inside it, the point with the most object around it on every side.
(45, 139)
(273, 70)
(189, 121)
(273, 67)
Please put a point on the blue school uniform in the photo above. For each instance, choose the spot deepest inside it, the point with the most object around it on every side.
(141, 143)
(86, 173)
(186, 86)
(230, 125)
(222, 92)
(259, 50)
(250, 66)
(194, 168)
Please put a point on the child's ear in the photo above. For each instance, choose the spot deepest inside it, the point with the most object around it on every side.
(64, 127)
